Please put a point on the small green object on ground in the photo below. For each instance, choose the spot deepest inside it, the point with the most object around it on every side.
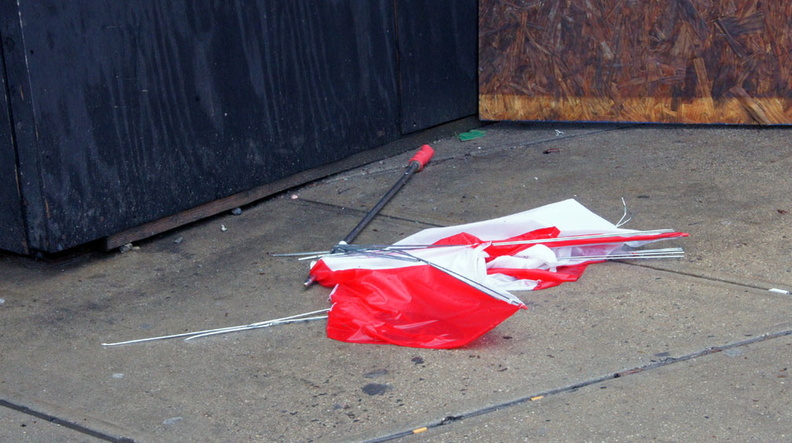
(472, 134)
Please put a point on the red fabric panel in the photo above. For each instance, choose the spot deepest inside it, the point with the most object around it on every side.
(415, 306)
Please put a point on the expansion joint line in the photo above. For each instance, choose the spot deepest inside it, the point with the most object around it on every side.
(359, 211)
(594, 381)
(64, 423)
(708, 278)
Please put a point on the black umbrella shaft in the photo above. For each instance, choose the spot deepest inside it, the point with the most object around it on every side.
(416, 163)
(414, 166)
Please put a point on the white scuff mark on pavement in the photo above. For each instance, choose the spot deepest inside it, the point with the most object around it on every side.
(734, 352)
(172, 420)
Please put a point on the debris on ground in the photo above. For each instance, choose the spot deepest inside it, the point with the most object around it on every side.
(472, 135)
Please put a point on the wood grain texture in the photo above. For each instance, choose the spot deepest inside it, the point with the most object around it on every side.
(437, 61)
(677, 61)
(11, 221)
(128, 112)
(125, 114)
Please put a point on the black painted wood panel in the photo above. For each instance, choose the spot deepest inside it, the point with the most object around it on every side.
(12, 227)
(438, 49)
(121, 114)
(146, 108)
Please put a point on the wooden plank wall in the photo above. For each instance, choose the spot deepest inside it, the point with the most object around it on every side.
(670, 61)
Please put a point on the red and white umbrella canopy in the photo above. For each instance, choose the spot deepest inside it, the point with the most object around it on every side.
(445, 287)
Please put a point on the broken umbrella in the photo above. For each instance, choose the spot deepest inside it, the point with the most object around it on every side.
(446, 287)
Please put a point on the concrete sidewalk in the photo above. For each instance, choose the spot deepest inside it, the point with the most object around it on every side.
(674, 350)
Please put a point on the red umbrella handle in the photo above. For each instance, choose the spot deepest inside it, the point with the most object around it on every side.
(416, 163)
(422, 157)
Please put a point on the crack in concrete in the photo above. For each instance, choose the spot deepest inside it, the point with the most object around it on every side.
(354, 211)
(742, 284)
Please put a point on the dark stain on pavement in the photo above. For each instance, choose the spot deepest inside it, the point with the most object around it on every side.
(376, 389)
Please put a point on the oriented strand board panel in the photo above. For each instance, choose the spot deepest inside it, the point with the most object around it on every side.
(669, 61)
